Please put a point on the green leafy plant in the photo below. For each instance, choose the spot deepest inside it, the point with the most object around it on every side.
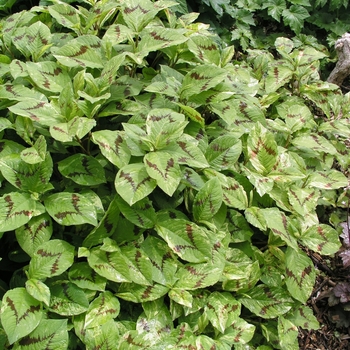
(157, 193)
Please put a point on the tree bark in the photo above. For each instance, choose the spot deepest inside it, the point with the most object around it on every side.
(342, 68)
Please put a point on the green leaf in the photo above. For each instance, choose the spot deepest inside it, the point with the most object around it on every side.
(33, 40)
(27, 177)
(262, 149)
(66, 15)
(164, 265)
(102, 309)
(67, 299)
(138, 294)
(201, 78)
(186, 239)
(222, 310)
(164, 126)
(303, 317)
(288, 333)
(300, 274)
(37, 153)
(20, 314)
(327, 180)
(113, 146)
(48, 76)
(50, 259)
(278, 74)
(38, 111)
(267, 302)
(141, 214)
(279, 224)
(71, 209)
(223, 152)
(192, 114)
(208, 200)
(38, 290)
(315, 143)
(234, 194)
(16, 209)
(133, 183)
(205, 49)
(82, 169)
(322, 239)
(85, 277)
(161, 166)
(303, 200)
(84, 51)
(50, 334)
(294, 17)
(16, 92)
(275, 8)
(106, 227)
(33, 233)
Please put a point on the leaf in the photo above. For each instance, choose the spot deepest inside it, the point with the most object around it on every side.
(20, 314)
(294, 17)
(110, 265)
(223, 152)
(164, 265)
(208, 200)
(71, 209)
(300, 274)
(327, 180)
(222, 310)
(275, 8)
(85, 277)
(67, 299)
(186, 239)
(315, 143)
(164, 126)
(205, 49)
(138, 294)
(303, 317)
(66, 15)
(83, 169)
(234, 194)
(50, 259)
(192, 113)
(48, 76)
(16, 209)
(33, 40)
(38, 290)
(262, 149)
(141, 214)
(161, 166)
(37, 153)
(32, 178)
(113, 146)
(267, 302)
(84, 51)
(279, 224)
(201, 78)
(16, 92)
(117, 33)
(288, 333)
(322, 239)
(133, 183)
(35, 232)
(156, 39)
(240, 332)
(106, 227)
(303, 200)
(50, 334)
(38, 111)
(278, 74)
(102, 309)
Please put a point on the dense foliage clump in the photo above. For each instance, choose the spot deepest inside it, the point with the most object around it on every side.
(156, 192)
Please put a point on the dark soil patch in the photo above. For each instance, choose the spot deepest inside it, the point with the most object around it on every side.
(332, 314)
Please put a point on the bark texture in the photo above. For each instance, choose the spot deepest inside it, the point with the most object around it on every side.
(342, 68)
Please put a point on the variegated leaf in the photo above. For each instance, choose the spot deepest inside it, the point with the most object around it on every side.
(162, 167)
(82, 169)
(86, 278)
(37, 153)
(50, 259)
(133, 183)
(71, 209)
(262, 149)
(300, 274)
(66, 15)
(205, 49)
(139, 294)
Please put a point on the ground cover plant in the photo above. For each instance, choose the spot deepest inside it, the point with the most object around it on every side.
(156, 193)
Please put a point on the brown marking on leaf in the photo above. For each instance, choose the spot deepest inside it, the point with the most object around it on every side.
(155, 167)
(56, 128)
(82, 50)
(39, 105)
(147, 292)
(57, 71)
(208, 47)
(47, 84)
(129, 10)
(158, 37)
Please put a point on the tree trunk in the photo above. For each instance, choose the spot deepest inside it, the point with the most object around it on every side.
(342, 68)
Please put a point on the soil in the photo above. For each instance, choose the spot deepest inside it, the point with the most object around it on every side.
(334, 331)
